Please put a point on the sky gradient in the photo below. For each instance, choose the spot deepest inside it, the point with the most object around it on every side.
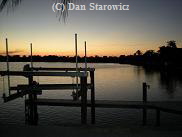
(147, 25)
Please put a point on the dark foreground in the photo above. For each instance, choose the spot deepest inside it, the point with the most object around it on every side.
(89, 131)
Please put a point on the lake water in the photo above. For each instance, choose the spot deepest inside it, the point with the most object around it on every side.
(112, 81)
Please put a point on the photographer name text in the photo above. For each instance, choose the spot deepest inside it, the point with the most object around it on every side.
(91, 6)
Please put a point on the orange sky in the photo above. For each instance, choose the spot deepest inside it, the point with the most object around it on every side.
(110, 33)
(93, 48)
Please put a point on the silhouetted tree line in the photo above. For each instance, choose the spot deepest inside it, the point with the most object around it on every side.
(53, 58)
(167, 56)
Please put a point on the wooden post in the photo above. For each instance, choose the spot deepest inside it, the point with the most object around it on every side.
(157, 117)
(31, 107)
(7, 61)
(144, 101)
(92, 97)
(144, 92)
(31, 56)
(85, 57)
(76, 60)
(26, 111)
(35, 119)
(84, 100)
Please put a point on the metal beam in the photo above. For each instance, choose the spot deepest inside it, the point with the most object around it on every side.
(29, 73)
(20, 94)
(112, 104)
(62, 69)
(48, 87)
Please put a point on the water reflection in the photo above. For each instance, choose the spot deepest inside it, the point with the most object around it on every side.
(113, 82)
(168, 81)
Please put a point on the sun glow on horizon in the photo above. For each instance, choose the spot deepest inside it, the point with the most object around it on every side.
(108, 33)
(93, 48)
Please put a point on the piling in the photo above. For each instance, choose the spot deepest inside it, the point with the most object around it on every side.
(144, 101)
(76, 61)
(92, 97)
(7, 61)
(31, 55)
(83, 99)
(31, 113)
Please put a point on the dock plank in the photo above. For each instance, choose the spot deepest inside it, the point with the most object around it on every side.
(62, 69)
(49, 87)
(20, 94)
(98, 103)
(44, 73)
(166, 106)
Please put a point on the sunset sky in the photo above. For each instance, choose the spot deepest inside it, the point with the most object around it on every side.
(147, 25)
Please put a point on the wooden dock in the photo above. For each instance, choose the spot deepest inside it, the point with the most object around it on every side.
(98, 103)
(33, 88)
(174, 107)
(165, 106)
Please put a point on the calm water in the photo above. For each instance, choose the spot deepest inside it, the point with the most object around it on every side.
(113, 82)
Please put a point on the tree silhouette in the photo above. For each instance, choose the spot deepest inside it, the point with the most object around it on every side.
(9, 3)
(149, 53)
(13, 3)
(138, 53)
(171, 44)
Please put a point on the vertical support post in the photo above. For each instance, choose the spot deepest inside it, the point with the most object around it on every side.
(85, 57)
(144, 101)
(92, 97)
(35, 110)
(30, 107)
(26, 111)
(157, 117)
(31, 54)
(30, 102)
(7, 61)
(144, 92)
(83, 100)
(76, 57)
(76, 52)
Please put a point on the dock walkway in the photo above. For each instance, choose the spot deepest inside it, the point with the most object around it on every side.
(166, 106)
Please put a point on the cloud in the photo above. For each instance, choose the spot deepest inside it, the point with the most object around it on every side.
(11, 52)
